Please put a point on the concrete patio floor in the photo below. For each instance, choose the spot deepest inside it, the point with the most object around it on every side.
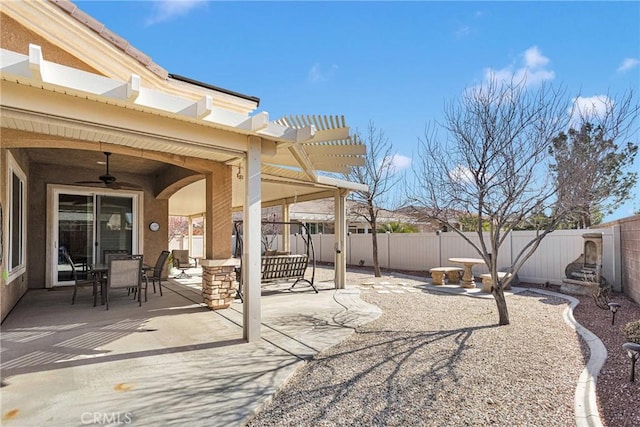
(170, 362)
(175, 362)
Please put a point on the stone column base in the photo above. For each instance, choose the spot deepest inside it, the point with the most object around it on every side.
(219, 284)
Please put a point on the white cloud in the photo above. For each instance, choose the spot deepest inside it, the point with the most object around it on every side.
(317, 74)
(400, 162)
(165, 10)
(533, 58)
(461, 174)
(533, 69)
(396, 163)
(590, 108)
(628, 64)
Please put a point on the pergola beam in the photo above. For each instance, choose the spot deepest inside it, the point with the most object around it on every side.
(304, 162)
(60, 78)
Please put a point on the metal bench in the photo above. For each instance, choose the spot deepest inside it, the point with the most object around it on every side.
(285, 267)
(277, 268)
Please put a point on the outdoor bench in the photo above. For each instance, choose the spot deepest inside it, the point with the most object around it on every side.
(487, 282)
(438, 273)
(283, 267)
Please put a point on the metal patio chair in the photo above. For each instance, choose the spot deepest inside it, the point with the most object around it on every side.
(155, 273)
(79, 283)
(182, 261)
(125, 274)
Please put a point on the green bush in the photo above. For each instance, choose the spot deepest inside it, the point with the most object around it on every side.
(632, 331)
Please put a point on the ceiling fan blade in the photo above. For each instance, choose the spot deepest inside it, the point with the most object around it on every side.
(109, 181)
(128, 185)
(94, 183)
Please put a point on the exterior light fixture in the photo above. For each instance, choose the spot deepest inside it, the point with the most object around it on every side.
(633, 350)
(614, 306)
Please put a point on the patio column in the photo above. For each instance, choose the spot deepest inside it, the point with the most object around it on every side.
(190, 232)
(219, 283)
(218, 216)
(340, 226)
(252, 231)
(286, 228)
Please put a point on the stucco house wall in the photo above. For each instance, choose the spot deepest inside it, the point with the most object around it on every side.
(15, 37)
(10, 292)
(40, 175)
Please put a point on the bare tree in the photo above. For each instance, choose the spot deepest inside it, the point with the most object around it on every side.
(178, 226)
(493, 166)
(270, 228)
(378, 173)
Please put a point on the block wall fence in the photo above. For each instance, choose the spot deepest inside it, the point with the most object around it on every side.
(629, 255)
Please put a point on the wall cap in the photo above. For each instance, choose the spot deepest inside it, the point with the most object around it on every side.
(225, 262)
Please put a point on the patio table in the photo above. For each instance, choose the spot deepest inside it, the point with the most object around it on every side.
(100, 271)
(467, 276)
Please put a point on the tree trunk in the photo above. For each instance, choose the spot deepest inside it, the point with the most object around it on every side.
(374, 241)
(501, 303)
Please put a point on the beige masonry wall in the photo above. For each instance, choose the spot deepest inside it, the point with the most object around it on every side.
(630, 248)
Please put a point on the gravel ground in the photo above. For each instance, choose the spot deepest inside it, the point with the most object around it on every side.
(436, 359)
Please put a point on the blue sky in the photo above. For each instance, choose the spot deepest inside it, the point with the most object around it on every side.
(393, 63)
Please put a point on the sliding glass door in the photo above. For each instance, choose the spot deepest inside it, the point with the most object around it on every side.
(86, 224)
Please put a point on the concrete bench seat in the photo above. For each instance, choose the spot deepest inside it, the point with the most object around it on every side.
(438, 273)
(487, 282)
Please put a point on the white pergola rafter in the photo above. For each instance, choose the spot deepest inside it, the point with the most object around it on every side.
(34, 70)
(311, 143)
(331, 148)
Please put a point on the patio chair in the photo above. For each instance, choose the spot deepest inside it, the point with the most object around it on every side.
(155, 273)
(117, 254)
(182, 261)
(78, 283)
(109, 252)
(125, 274)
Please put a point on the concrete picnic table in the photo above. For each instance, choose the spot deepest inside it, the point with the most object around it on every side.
(467, 275)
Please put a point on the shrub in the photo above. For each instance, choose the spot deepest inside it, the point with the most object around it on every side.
(632, 331)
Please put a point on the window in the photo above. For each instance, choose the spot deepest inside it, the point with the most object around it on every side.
(17, 216)
(315, 228)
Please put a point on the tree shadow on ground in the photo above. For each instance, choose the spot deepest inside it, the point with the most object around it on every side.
(371, 372)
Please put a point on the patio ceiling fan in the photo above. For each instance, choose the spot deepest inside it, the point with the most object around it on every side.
(109, 180)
